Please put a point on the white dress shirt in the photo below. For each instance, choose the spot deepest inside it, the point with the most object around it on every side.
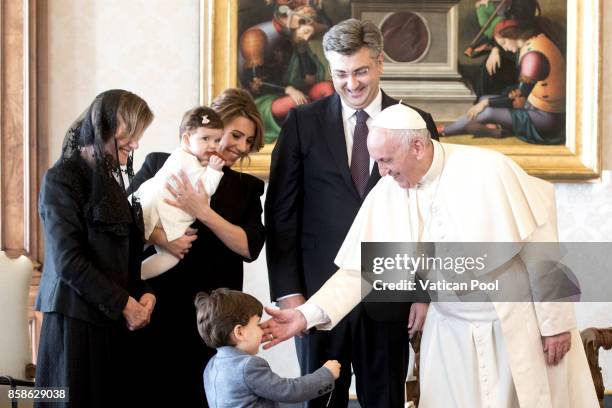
(349, 120)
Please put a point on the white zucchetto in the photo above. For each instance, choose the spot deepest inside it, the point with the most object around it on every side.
(399, 117)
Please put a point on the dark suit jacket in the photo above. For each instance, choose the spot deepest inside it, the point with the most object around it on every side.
(90, 268)
(311, 201)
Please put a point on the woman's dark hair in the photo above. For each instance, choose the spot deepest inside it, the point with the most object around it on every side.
(107, 112)
(112, 113)
(221, 311)
(200, 116)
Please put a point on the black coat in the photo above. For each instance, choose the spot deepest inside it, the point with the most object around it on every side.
(90, 268)
(176, 353)
(311, 201)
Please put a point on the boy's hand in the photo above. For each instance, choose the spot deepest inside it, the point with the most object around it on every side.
(334, 367)
(216, 162)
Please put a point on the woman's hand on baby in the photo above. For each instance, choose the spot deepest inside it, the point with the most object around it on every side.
(178, 247)
(194, 201)
(334, 367)
(216, 162)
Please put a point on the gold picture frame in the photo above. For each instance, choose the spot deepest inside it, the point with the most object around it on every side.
(578, 160)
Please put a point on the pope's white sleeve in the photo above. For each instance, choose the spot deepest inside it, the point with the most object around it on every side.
(278, 299)
(339, 295)
(558, 316)
(314, 315)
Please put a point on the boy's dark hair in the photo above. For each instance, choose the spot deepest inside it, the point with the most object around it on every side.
(200, 116)
(219, 312)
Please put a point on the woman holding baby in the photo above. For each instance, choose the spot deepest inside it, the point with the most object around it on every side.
(227, 232)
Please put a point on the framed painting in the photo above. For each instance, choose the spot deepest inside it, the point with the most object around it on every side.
(439, 57)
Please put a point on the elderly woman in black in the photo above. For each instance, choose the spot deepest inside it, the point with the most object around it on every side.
(229, 232)
(91, 294)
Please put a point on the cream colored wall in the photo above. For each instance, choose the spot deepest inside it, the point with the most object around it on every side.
(151, 47)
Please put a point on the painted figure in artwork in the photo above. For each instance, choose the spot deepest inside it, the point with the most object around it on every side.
(277, 65)
(534, 110)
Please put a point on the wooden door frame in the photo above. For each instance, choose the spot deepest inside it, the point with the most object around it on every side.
(23, 146)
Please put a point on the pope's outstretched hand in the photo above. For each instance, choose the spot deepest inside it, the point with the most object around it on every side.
(283, 325)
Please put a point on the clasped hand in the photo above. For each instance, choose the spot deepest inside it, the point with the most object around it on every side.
(137, 314)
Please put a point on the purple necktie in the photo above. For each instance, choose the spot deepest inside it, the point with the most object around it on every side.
(360, 159)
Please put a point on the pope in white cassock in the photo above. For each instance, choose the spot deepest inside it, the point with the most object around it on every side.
(496, 354)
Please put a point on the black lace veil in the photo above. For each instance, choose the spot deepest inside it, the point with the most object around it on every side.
(90, 141)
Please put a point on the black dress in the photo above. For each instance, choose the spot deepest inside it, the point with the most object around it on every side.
(175, 353)
(91, 267)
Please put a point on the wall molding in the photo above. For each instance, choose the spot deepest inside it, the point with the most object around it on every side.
(23, 149)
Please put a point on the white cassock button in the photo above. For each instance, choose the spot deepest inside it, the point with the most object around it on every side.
(484, 379)
(477, 325)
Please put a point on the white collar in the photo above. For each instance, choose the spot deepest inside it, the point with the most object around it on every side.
(372, 109)
(437, 165)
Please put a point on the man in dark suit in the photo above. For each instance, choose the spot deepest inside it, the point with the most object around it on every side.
(319, 175)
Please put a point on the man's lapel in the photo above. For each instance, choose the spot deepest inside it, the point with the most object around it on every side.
(375, 174)
(387, 100)
(333, 126)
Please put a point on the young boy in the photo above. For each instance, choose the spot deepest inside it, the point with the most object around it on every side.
(235, 377)
(200, 133)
